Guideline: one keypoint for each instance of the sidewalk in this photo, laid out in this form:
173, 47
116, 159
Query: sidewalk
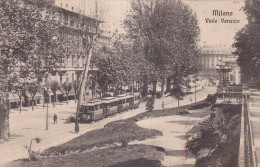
28, 125
170, 102
254, 110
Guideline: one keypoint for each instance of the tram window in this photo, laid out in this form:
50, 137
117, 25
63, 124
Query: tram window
91, 108
114, 104
111, 104
97, 107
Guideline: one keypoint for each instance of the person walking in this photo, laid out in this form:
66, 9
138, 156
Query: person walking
163, 105
55, 117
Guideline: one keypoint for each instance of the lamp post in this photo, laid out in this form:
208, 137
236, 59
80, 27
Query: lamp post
43, 101
47, 112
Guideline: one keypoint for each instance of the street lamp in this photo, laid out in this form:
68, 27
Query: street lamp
43, 101
47, 114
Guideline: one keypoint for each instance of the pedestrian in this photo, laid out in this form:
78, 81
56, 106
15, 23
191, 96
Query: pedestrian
163, 105
55, 118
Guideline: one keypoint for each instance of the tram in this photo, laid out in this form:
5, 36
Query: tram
98, 109
91, 111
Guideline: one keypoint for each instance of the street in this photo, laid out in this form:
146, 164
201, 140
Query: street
28, 125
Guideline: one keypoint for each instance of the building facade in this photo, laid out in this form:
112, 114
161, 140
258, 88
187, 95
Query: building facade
212, 58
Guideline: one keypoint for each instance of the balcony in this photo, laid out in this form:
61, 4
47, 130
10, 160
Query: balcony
91, 68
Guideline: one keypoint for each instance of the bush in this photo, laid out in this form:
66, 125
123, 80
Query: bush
149, 104
199, 106
217, 142
71, 119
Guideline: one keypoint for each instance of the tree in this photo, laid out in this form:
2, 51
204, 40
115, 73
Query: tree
247, 42
27, 43
179, 89
4, 117
212, 100
55, 86
75, 85
67, 88
33, 88
166, 33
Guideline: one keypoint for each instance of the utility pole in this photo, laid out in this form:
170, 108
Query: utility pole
47, 112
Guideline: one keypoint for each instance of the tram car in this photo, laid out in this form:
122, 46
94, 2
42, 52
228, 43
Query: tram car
91, 111
110, 105
125, 102
99, 109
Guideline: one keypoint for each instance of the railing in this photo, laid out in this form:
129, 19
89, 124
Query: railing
246, 149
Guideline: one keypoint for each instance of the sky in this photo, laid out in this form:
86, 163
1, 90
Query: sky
114, 12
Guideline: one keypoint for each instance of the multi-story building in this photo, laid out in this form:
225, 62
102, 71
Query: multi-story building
213, 57
75, 28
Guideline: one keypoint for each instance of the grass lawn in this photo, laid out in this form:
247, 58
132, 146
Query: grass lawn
77, 152
115, 156
114, 132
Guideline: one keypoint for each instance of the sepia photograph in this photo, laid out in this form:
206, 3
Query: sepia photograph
129, 83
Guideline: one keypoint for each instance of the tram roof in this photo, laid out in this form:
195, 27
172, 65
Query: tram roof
92, 103
135, 94
108, 98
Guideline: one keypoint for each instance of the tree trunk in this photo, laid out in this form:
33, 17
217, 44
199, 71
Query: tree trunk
67, 98
54, 99
81, 88
32, 103
168, 84
162, 88
20, 104
178, 104
154, 87
145, 86
4, 120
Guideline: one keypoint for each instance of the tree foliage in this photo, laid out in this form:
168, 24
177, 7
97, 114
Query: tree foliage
55, 86
166, 34
247, 42
28, 42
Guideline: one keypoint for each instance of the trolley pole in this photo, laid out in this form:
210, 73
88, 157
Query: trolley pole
195, 92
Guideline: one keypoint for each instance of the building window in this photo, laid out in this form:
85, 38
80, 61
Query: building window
67, 61
72, 61
72, 22
67, 78
66, 19
213, 62
72, 77
60, 78
78, 61
83, 61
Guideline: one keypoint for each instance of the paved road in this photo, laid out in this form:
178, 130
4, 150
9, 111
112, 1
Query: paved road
31, 124
254, 110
